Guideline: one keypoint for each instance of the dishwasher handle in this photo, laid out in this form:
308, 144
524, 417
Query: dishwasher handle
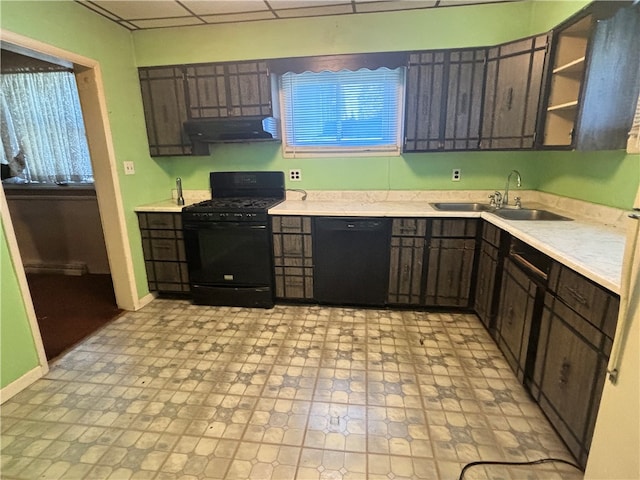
351, 224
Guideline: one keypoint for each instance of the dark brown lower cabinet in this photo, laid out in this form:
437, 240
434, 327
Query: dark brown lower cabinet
576, 335
406, 261
293, 257
488, 276
451, 256
163, 250
519, 297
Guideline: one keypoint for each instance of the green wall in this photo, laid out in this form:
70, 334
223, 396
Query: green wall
17, 351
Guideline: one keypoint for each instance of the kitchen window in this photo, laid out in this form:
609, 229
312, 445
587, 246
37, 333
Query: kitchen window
43, 139
344, 112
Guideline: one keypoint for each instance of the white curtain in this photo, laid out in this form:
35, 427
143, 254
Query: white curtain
42, 127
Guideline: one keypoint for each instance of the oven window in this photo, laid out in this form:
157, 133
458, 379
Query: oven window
223, 254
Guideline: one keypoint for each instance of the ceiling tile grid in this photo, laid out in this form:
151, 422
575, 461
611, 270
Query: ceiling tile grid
148, 14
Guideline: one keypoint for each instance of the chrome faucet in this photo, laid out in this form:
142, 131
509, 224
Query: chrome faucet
505, 197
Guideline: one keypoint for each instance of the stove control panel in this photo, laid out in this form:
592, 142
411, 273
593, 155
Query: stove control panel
225, 216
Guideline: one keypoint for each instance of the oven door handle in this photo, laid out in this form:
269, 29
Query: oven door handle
222, 225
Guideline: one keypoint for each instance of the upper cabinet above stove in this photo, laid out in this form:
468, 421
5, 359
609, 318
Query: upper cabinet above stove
214, 91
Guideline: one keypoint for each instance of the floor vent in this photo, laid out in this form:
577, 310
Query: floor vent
73, 268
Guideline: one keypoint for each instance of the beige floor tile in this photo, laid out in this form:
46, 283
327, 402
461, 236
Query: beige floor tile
179, 391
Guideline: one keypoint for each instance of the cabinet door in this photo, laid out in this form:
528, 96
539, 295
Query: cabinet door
163, 249
165, 110
444, 100
512, 94
485, 284
207, 91
239, 89
569, 372
293, 259
516, 312
406, 261
464, 99
451, 256
425, 99
611, 83
449, 271
249, 89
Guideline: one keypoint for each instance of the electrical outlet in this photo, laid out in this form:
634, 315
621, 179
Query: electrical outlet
295, 175
129, 168
456, 174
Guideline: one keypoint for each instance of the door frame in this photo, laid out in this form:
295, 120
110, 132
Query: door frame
103, 160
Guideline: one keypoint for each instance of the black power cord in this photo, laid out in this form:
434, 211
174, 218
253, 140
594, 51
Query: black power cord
533, 462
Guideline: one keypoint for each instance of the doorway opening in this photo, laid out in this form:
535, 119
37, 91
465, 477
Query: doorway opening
51, 199
106, 197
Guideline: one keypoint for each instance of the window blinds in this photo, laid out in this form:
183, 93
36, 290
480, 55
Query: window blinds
346, 111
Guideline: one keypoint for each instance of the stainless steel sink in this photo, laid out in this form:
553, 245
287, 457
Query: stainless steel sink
462, 207
528, 214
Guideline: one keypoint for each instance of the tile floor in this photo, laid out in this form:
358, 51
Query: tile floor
177, 391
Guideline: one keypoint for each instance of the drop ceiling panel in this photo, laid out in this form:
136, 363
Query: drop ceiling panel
147, 14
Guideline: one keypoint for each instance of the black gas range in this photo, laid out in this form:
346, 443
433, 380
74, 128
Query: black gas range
228, 240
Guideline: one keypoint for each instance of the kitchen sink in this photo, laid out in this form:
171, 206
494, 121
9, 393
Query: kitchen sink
462, 207
528, 214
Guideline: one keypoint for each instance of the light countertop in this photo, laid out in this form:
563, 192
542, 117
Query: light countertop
592, 244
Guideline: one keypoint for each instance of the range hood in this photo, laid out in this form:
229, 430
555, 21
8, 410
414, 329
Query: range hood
204, 131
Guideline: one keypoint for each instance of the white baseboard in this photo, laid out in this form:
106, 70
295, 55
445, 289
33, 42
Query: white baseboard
21, 383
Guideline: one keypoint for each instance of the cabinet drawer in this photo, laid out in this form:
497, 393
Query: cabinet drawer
164, 250
168, 221
409, 227
597, 305
491, 234
291, 224
454, 227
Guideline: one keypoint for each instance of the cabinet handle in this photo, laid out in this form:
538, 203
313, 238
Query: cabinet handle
509, 98
564, 372
577, 296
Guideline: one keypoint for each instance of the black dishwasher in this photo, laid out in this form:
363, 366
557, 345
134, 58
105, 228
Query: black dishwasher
351, 260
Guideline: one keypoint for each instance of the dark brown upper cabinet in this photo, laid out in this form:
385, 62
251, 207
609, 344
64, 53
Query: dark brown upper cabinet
239, 89
173, 94
512, 93
480, 98
444, 100
593, 82
165, 109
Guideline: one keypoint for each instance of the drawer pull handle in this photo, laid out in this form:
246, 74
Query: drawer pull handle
577, 296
